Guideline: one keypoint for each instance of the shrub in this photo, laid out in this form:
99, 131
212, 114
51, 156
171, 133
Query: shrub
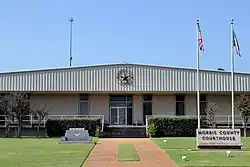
58, 127
98, 132
172, 126
151, 130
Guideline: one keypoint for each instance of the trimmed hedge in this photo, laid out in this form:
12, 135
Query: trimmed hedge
58, 127
172, 126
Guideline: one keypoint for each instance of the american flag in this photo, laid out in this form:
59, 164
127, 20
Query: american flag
200, 40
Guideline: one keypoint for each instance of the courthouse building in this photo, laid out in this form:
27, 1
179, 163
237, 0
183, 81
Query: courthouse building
125, 93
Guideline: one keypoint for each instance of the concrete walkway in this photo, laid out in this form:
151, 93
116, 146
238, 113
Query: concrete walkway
104, 154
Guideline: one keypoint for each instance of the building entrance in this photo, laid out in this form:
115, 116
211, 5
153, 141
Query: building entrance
120, 109
118, 115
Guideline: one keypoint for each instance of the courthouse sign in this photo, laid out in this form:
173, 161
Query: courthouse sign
218, 137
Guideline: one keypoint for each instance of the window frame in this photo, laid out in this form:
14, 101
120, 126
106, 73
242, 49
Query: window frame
83, 100
203, 99
179, 99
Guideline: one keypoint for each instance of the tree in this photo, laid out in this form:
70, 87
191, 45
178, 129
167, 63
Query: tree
242, 105
40, 114
18, 105
211, 109
7, 114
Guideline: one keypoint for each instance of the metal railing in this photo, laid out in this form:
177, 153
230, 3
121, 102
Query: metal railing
220, 120
31, 121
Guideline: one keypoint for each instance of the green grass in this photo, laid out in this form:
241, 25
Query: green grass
177, 147
127, 152
31, 152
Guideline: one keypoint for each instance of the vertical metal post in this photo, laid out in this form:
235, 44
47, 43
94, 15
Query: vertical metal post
232, 73
70, 41
198, 78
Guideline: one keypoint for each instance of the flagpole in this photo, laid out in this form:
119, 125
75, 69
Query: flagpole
232, 72
70, 41
198, 77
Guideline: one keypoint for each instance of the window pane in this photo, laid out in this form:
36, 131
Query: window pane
203, 108
120, 104
180, 97
147, 97
84, 108
203, 97
147, 110
121, 97
84, 97
113, 115
180, 108
129, 116
129, 104
122, 116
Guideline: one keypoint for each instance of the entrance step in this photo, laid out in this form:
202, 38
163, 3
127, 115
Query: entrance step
125, 132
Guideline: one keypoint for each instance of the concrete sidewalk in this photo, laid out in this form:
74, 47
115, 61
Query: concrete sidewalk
104, 154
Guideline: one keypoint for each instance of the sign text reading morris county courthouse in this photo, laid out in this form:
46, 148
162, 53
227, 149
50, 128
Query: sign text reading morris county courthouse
222, 137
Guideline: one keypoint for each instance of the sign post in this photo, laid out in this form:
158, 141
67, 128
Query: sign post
218, 138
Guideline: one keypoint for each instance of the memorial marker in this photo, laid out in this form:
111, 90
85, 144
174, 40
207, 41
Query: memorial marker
76, 135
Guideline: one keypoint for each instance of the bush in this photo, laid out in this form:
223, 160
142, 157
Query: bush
58, 127
98, 132
151, 130
172, 126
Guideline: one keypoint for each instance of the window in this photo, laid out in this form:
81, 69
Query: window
120, 100
84, 105
121, 97
84, 97
147, 97
180, 105
147, 106
203, 104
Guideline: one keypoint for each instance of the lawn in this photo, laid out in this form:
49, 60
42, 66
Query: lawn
41, 153
177, 147
127, 152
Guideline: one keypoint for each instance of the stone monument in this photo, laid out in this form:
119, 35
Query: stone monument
76, 135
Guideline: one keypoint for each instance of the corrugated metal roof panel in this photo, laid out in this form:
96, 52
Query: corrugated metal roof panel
104, 78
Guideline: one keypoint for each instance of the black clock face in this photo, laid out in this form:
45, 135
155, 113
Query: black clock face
125, 76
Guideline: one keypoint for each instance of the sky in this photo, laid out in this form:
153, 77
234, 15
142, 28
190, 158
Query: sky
35, 34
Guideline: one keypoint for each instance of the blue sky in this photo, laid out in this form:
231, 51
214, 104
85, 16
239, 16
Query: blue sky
35, 34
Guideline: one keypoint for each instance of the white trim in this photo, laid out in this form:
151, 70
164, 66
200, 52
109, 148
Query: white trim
118, 65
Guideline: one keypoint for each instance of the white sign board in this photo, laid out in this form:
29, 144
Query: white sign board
218, 137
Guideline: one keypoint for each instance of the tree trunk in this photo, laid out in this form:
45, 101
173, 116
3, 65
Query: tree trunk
245, 129
7, 130
19, 129
38, 129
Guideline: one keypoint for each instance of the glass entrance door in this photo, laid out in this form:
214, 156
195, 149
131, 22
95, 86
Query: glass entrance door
118, 115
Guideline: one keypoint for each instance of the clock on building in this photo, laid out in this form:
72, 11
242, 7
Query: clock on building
125, 76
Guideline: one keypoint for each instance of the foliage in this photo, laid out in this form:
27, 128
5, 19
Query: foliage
58, 127
4, 110
98, 132
15, 106
39, 114
18, 105
151, 130
172, 126
211, 109
242, 105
